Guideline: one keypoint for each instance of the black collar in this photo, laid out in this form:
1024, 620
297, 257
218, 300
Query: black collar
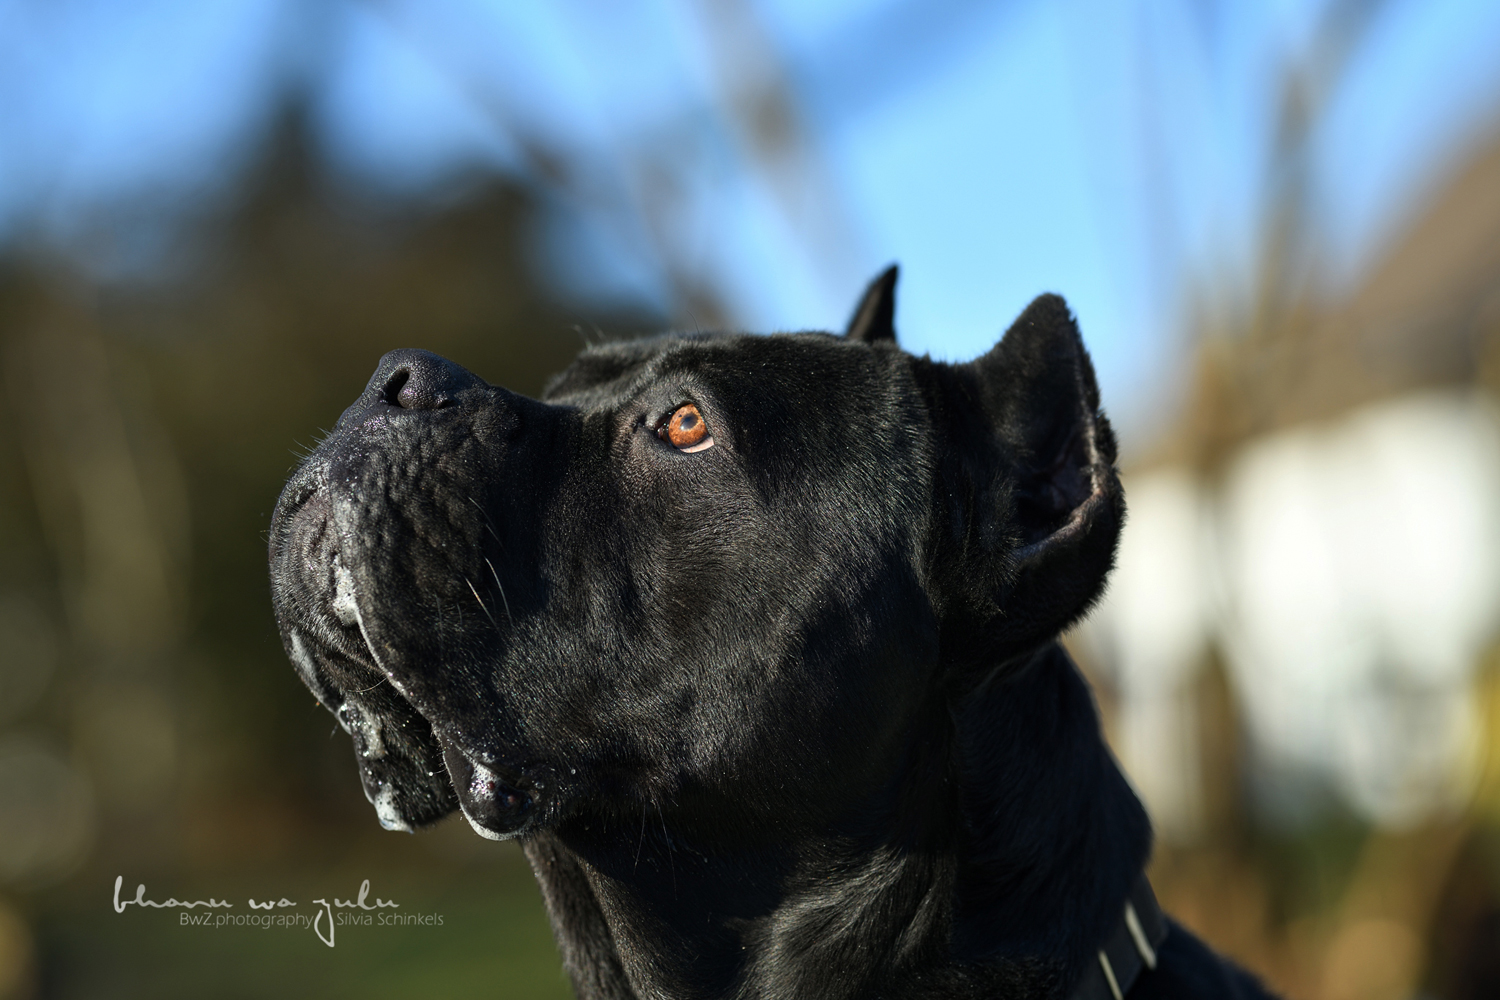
1129, 949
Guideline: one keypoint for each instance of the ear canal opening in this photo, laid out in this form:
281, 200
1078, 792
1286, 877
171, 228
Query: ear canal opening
1063, 498
1069, 532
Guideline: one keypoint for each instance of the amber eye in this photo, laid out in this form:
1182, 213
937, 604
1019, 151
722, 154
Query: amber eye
686, 430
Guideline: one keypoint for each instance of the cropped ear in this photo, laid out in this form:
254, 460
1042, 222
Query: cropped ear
1052, 510
874, 318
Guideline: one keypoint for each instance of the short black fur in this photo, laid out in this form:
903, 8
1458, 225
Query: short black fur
779, 715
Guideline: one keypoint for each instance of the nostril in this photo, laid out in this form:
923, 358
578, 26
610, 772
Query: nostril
417, 381
392, 391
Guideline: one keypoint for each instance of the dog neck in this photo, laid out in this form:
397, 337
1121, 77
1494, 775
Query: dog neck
995, 864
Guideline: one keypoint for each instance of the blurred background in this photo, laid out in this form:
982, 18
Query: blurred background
1278, 224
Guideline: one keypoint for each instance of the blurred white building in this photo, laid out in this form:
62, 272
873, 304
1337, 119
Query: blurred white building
1349, 573
1329, 528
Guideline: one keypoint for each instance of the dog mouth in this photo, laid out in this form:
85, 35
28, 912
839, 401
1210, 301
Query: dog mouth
414, 767
499, 802
398, 743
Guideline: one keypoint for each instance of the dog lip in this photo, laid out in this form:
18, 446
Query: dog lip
498, 806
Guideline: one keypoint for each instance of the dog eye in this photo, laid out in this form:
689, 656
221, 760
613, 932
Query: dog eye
685, 430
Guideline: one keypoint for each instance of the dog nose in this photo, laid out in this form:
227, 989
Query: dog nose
411, 379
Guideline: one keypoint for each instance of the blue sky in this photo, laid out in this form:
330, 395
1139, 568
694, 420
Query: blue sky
1112, 152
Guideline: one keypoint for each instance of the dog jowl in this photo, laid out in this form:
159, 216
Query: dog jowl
751, 641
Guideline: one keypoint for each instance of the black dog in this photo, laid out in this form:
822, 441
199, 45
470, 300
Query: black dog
752, 642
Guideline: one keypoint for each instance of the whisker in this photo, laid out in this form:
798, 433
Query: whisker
482, 605
488, 524
501, 589
372, 687
667, 836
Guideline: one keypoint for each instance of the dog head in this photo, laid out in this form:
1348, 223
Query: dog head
718, 574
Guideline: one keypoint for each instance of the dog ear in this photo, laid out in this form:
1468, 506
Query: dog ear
1046, 522
874, 318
